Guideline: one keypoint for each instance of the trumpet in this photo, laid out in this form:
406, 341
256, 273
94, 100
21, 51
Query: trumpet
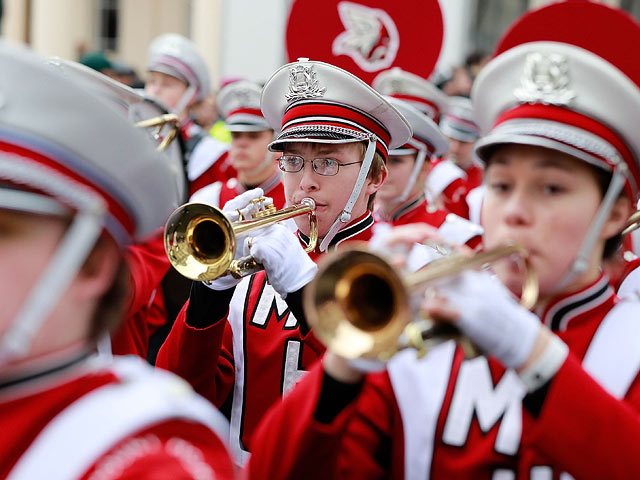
201, 241
360, 307
158, 123
633, 223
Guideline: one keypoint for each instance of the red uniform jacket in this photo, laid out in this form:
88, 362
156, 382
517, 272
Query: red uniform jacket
85, 419
452, 184
207, 158
451, 227
446, 417
148, 264
259, 353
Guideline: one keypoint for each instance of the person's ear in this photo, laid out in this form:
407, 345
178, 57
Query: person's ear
98, 273
374, 184
620, 212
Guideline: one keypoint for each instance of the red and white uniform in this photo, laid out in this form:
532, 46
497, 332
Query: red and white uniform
207, 158
629, 283
259, 353
69, 422
446, 417
475, 176
148, 264
450, 226
448, 182
219, 193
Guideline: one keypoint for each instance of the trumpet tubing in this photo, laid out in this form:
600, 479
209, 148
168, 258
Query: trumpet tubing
360, 307
633, 223
200, 241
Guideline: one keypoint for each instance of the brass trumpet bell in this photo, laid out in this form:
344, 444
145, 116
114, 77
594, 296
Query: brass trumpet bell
201, 241
360, 307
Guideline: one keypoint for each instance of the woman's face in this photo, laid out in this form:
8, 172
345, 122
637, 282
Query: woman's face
545, 201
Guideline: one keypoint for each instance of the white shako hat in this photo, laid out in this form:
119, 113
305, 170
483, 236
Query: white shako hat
309, 101
419, 92
133, 105
64, 151
427, 141
177, 56
239, 105
458, 122
556, 84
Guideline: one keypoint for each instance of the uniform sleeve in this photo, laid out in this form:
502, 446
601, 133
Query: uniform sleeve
172, 450
202, 356
297, 446
588, 432
148, 264
453, 198
354, 443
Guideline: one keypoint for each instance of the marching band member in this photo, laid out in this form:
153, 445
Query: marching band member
559, 389
402, 199
177, 78
458, 125
147, 262
239, 105
244, 343
77, 184
446, 181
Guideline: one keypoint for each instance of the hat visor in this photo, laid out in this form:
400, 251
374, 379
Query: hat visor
402, 151
457, 134
245, 127
312, 137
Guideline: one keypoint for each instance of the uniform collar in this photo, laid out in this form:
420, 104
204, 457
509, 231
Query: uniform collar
562, 309
407, 207
359, 229
40, 373
269, 184
190, 129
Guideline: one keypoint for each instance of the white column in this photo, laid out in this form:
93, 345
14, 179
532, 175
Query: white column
458, 16
14, 20
253, 36
61, 27
206, 32
143, 20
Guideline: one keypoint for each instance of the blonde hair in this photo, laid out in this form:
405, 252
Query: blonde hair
377, 166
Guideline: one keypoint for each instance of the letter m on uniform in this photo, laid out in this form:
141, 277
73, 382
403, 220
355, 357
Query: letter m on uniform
476, 395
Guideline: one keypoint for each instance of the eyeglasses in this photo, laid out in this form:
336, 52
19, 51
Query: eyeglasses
322, 166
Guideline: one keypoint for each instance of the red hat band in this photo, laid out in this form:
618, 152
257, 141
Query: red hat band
596, 142
256, 112
425, 106
41, 172
315, 117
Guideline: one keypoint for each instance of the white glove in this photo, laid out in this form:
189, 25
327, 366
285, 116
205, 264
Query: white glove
241, 203
288, 266
491, 317
402, 246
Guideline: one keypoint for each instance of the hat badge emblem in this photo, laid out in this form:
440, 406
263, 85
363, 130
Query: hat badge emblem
243, 97
545, 79
303, 84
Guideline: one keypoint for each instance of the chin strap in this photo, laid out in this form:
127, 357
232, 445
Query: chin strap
185, 99
581, 262
74, 247
420, 159
345, 215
